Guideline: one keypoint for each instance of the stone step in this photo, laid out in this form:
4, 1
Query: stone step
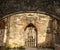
37, 49
31, 49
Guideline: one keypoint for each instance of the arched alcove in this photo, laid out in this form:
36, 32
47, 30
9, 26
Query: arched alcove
31, 40
31, 25
19, 22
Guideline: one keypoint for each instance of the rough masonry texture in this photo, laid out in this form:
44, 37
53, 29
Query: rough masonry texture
19, 22
21, 17
11, 6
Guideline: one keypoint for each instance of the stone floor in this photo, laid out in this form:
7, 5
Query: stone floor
36, 49
29, 49
32, 49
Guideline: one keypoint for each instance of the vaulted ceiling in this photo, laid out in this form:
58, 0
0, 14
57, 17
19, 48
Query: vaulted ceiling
11, 6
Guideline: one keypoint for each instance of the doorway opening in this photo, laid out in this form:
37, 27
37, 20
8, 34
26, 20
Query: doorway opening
31, 36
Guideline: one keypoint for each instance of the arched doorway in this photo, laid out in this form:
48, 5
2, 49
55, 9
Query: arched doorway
31, 36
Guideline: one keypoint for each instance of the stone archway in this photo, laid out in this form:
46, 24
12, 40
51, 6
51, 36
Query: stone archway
31, 36
20, 21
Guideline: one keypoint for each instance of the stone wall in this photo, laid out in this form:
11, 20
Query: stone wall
11, 6
58, 33
2, 31
18, 22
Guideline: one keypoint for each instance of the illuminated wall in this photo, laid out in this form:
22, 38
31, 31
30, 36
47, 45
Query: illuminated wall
18, 23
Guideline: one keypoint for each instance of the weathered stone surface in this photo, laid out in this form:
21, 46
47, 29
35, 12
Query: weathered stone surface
11, 6
18, 23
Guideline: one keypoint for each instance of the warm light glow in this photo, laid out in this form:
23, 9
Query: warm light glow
40, 21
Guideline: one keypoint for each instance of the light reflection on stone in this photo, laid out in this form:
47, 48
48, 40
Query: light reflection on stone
39, 20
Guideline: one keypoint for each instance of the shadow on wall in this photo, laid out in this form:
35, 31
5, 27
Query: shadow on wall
48, 43
2, 31
2, 24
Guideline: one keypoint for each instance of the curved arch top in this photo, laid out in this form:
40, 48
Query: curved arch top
31, 25
39, 12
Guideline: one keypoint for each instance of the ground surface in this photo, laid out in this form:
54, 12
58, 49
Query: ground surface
32, 49
36, 49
